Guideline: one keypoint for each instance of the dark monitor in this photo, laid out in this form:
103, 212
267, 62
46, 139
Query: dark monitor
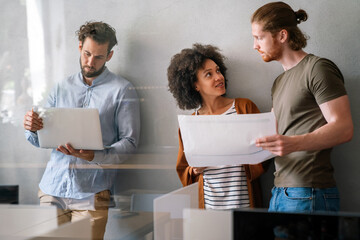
261, 224
9, 194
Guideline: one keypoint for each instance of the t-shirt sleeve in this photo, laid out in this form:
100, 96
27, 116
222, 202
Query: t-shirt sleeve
326, 81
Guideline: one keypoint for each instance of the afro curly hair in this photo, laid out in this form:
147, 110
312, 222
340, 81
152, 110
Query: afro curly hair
182, 73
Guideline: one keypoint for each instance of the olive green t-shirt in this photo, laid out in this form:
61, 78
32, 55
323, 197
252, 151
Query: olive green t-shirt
297, 94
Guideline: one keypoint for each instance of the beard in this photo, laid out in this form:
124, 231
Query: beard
266, 57
92, 72
272, 55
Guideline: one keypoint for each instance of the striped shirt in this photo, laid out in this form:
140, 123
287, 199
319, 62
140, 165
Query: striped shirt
225, 187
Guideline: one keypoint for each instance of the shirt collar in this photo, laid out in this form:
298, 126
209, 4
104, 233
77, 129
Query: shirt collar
99, 79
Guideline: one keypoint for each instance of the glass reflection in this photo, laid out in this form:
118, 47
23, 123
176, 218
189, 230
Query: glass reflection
38, 48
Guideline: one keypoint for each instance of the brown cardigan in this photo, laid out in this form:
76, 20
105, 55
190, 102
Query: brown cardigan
242, 106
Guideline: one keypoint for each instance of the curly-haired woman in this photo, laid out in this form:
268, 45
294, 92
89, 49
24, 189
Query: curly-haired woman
197, 80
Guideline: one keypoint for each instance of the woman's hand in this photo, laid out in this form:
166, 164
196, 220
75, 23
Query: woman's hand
198, 170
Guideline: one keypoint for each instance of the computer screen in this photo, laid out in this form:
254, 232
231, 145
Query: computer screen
261, 224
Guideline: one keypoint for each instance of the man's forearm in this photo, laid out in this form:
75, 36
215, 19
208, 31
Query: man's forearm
327, 136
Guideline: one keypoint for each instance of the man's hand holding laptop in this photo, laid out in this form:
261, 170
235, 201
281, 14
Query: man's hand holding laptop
87, 155
32, 121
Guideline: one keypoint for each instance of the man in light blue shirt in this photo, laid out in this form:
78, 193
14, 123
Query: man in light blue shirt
75, 180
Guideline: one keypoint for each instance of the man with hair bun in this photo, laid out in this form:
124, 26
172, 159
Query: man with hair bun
312, 111
75, 180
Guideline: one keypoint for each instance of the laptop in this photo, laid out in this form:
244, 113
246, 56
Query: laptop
78, 126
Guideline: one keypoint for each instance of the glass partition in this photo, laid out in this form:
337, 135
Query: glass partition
39, 48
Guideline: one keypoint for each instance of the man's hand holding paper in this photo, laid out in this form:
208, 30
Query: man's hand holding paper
278, 144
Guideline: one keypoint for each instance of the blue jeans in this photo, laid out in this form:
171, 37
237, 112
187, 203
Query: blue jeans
304, 199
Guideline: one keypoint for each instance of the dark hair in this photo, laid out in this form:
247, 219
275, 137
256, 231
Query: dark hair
183, 69
276, 16
99, 32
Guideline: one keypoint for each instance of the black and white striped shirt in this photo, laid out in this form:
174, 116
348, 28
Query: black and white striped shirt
225, 187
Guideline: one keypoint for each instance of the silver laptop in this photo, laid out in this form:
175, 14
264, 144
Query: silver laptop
78, 126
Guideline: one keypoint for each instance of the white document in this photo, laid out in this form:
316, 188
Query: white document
214, 140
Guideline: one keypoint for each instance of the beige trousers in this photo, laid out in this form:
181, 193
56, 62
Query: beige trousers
67, 210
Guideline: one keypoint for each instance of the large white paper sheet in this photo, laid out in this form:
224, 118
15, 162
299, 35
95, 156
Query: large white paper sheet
214, 140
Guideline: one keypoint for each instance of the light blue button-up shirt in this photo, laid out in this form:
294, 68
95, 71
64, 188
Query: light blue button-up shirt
116, 99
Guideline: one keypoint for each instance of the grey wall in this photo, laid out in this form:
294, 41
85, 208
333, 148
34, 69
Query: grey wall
149, 34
